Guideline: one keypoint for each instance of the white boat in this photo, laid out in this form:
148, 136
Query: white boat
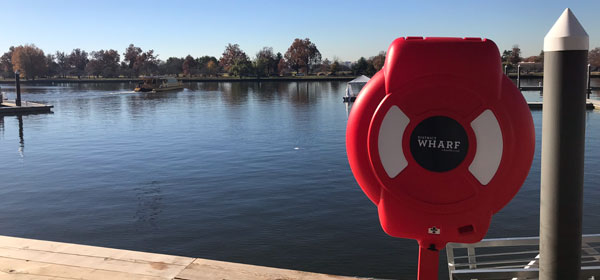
354, 87
158, 84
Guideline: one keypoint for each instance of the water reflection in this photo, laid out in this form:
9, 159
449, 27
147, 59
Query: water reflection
335, 87
302, 94
140, 103
236, 93
21, 149
21, 139
205, 86
348, 108
267, 90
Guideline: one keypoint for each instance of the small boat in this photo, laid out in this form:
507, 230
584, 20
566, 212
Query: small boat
158, 84
354, 87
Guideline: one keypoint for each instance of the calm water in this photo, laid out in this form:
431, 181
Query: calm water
243, 172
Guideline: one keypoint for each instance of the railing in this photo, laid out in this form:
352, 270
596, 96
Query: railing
512, 258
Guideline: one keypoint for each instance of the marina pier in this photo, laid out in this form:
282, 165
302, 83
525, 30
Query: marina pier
22, 258
9, 107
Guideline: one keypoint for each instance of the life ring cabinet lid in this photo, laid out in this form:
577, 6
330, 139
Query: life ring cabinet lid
440, 139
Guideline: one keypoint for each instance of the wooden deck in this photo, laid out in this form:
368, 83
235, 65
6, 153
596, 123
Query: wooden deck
22, 259
8, 107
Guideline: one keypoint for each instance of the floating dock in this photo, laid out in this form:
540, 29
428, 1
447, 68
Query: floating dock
594, 102
591, 104
540, 88
9, 107
22, 258
349, 98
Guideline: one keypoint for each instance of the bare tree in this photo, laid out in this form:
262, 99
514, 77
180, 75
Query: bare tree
63, 63
105, 63
594, 57
265, 61
78, 59
6, 66
515, 55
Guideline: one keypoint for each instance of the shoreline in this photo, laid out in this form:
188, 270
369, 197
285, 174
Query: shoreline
594, 75
185, 80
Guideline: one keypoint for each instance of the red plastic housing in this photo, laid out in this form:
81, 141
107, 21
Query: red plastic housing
455, 78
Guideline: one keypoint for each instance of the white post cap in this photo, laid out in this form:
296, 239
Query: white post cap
566, 34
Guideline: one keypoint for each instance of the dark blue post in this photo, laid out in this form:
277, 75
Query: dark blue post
589, 78
18, 86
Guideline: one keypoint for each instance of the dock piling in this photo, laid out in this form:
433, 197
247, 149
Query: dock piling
18, 86
519, 76
563, 141
589, 78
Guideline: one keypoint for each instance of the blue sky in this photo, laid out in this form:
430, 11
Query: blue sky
344, 29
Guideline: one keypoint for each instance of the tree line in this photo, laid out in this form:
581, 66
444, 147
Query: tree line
302, 56
511, 58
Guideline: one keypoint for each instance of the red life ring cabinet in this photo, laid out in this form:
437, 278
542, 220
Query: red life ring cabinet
440, 140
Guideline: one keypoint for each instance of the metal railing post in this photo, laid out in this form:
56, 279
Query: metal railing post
472, 258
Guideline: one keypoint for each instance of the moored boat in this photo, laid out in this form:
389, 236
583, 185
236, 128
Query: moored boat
158, 84
354, 87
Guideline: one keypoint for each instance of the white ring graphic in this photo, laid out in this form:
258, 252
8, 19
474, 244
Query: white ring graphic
489, 147
390, 141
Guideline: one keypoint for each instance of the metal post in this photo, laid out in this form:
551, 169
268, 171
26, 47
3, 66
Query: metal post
18, 86
563, 140
589, 78
519, 76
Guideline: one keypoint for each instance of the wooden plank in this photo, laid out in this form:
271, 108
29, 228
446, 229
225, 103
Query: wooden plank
158, 269
9, 107
202, 269
12, 103
6, 276
21, 269
22, 258
94, 251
